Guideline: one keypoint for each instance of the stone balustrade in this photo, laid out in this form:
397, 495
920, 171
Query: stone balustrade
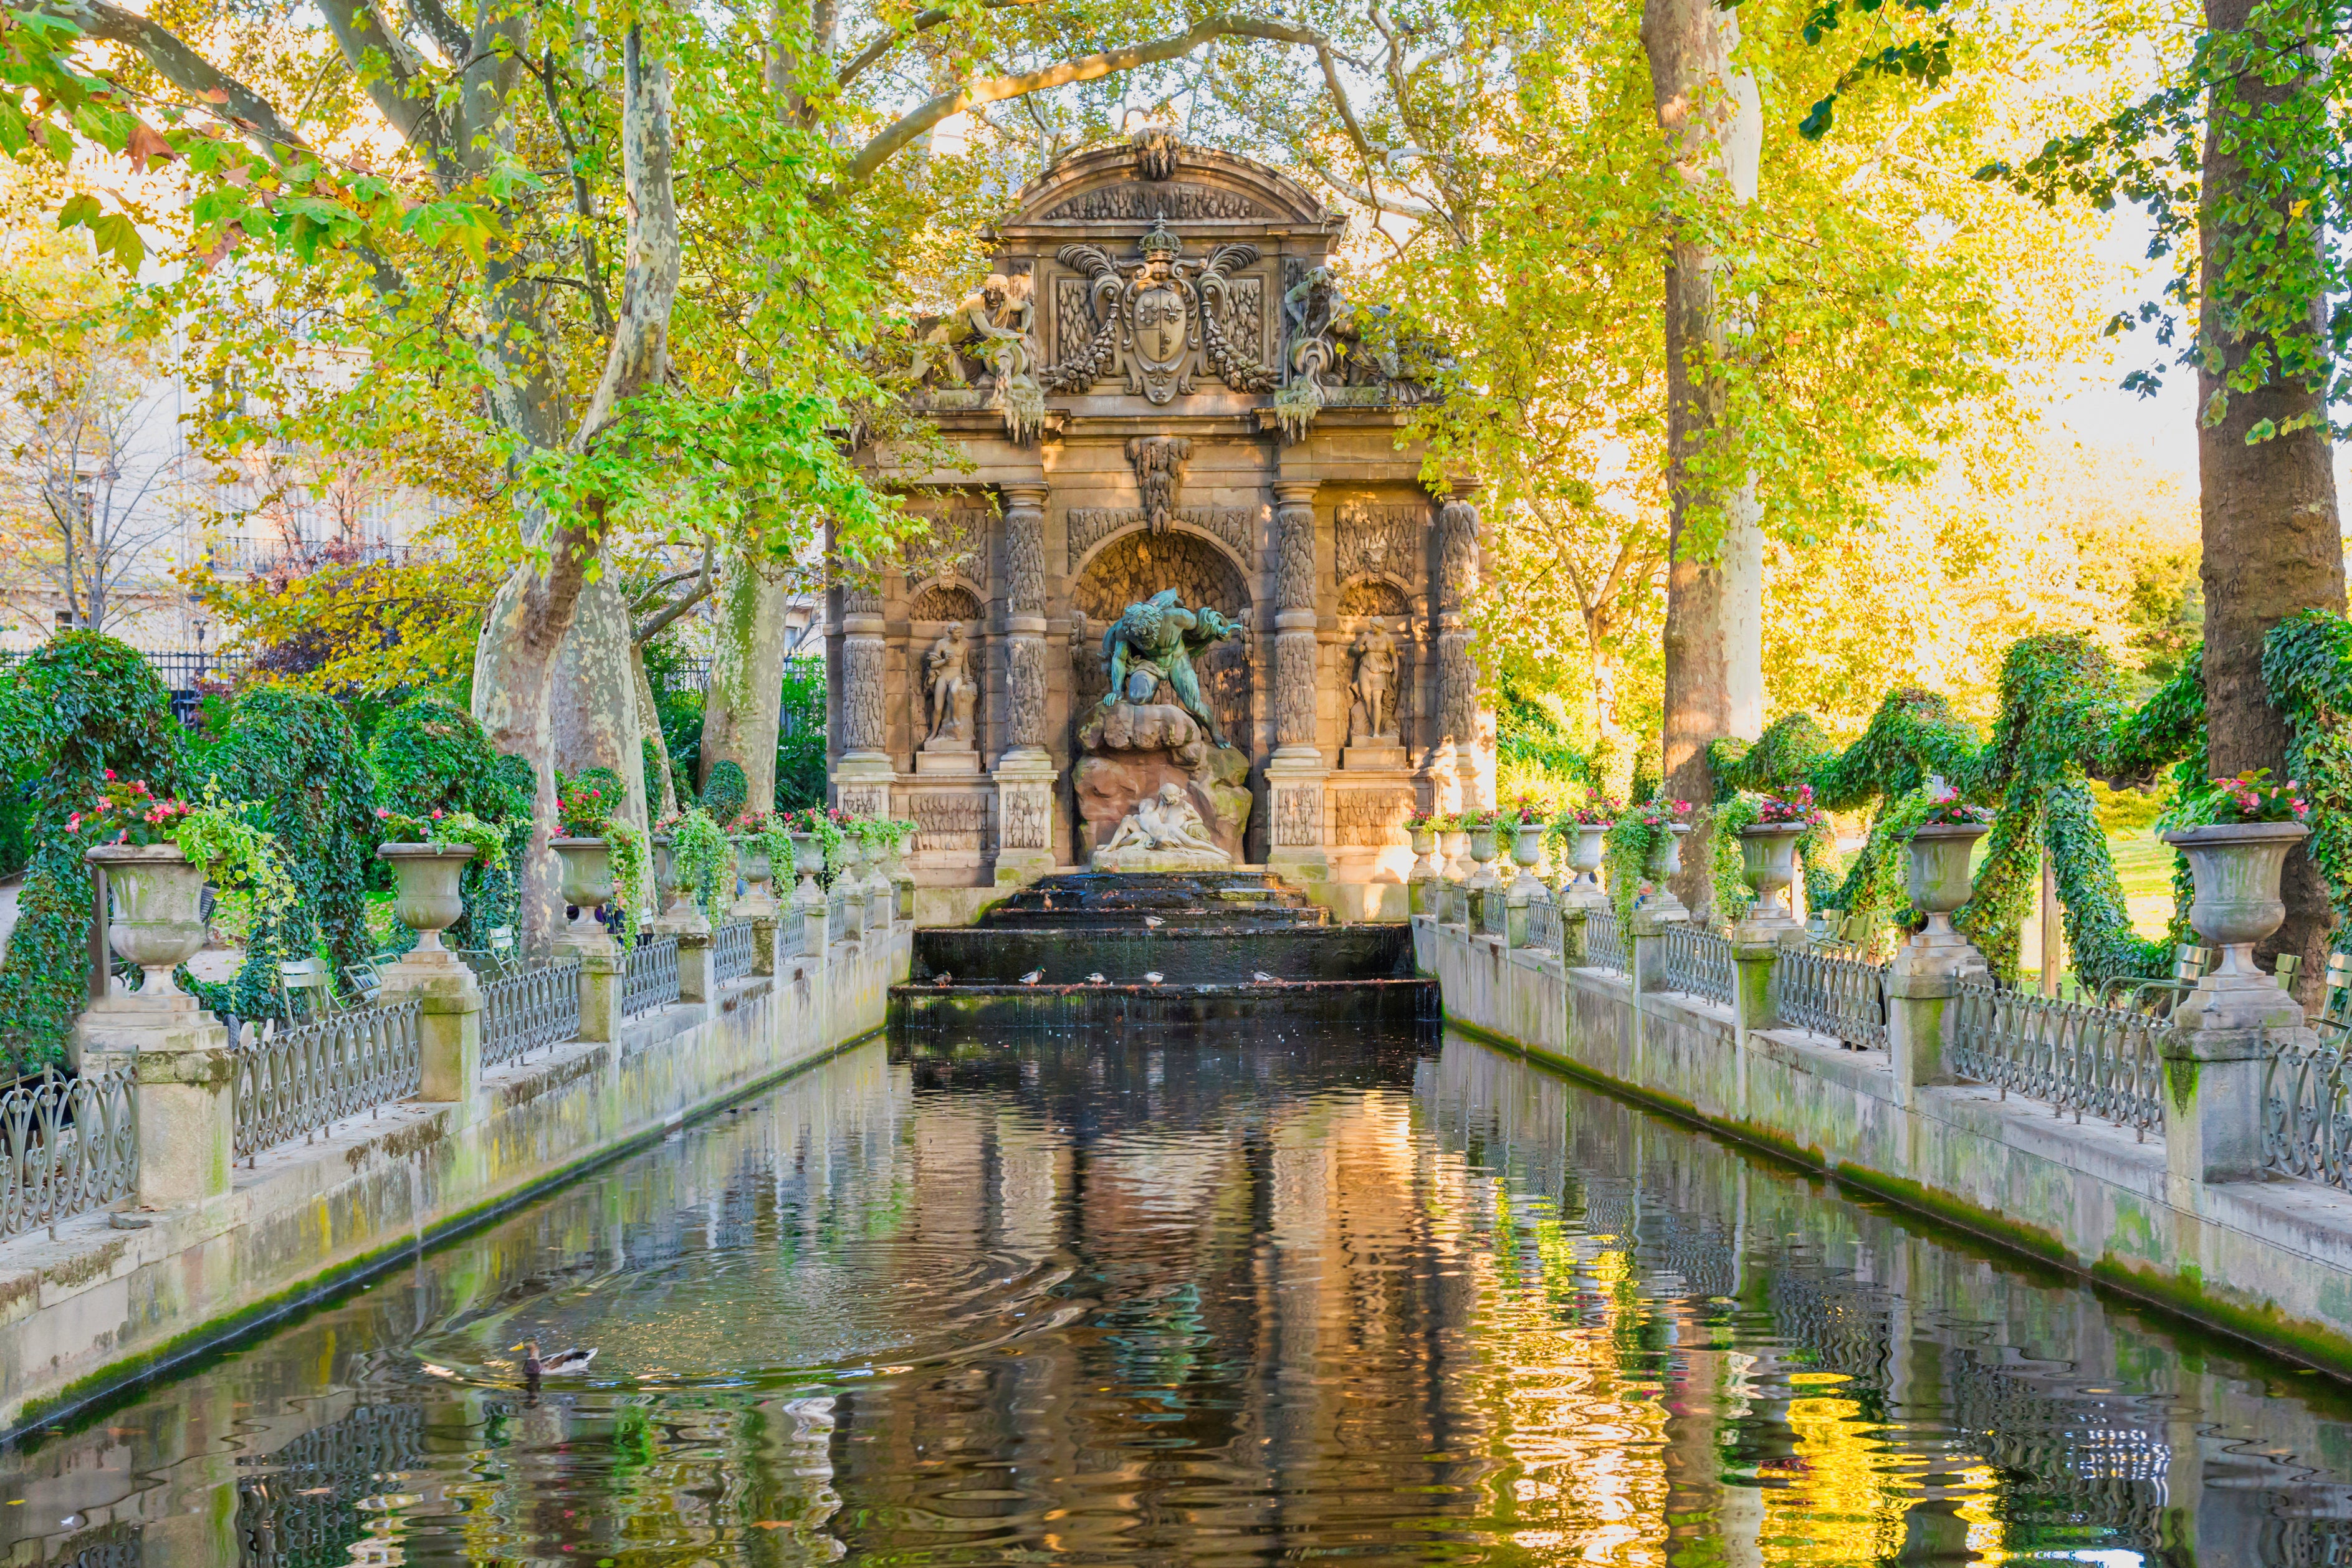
2201, 1168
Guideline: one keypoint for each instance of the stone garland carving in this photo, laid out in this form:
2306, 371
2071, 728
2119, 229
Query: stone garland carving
1458, 693
1233, 355
1087, 348
1381, 537
1370, 817
1457, 552
1294, 568
1177, 203
1024, 556
1159, 463
1090, 526
1026, 687
951, 547
862, 727
1294, 688
1155, 303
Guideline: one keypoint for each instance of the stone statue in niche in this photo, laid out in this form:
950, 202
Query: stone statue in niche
1155, 641
1374, 741
1372, 693
1163, 832
1153, 732
947, 674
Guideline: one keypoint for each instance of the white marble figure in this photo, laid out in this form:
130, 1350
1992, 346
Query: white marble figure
1165, 821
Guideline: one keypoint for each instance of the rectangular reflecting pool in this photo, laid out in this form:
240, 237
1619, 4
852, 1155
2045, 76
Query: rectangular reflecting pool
1251, 1294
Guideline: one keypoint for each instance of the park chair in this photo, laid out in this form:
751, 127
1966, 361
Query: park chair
306, 990
2128, 994
365, 980
2289, 965
497, 957
2334, 1020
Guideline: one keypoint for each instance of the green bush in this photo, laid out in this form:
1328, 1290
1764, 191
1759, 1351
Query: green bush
725, 794
429, 755
81, 705
800, 736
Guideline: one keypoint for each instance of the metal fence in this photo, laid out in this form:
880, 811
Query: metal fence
1604, 943
649, 975
530, 1008
2074, 1057
836, 917
1543, 925
1698, 962
730, 952
305, 1080
1494, 914
1844, 998
68, 1145
1451, 903
792, 930
2307, 1111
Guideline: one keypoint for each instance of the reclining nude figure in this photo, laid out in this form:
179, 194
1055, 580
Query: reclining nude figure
1164, 821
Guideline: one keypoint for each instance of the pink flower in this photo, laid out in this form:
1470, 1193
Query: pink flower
383, 814
109, 775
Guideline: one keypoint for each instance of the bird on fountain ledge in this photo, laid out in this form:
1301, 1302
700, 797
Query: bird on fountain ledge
1034, 976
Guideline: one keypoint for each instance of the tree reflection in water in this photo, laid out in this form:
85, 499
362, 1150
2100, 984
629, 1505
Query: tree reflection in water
1218, 1298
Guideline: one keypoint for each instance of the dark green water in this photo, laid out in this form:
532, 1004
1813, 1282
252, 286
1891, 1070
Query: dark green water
1244, 1300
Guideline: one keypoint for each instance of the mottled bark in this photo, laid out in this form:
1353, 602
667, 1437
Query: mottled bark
595, 721
741, 715
661, 788
1714, 576
2272, 541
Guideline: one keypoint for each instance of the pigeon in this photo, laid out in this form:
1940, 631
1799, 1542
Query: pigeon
1153, 977
1096, 979
941, 978
1263, 978
1153, 922
1034, 976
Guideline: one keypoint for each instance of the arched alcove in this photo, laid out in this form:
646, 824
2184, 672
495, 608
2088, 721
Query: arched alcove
1374, 596
1135, 567
944, 601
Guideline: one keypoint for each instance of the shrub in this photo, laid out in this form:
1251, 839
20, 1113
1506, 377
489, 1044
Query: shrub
726, 792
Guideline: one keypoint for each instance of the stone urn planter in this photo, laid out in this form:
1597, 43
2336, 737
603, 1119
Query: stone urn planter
2237, 867
1526, 854
157, 921
1456, 868
1585, 859
1937, 873
1767, 859
902, 881
587, 876
666, 888
1666, 858
1482, 852
424, 887
808, 859
881, 893
752, 860
1428, 866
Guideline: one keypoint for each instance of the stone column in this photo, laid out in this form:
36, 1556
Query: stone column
600, 978
1646, 937
696, 980
1295, 775
1920, 985
2213, 1068
1458, 671
1753, 955
183, 1100
862, 779
1025, 773
449, 1022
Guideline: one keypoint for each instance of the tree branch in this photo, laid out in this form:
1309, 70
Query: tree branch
359, 32
662, 619
1086, 67
442, 25
253, 117
923, 22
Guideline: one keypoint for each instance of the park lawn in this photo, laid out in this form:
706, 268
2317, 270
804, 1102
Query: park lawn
2145, 866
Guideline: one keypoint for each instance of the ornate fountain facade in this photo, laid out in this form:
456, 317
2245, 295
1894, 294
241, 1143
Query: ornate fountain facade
1162, 394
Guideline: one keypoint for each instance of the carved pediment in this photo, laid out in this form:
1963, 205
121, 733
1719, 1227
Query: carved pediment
1179, 202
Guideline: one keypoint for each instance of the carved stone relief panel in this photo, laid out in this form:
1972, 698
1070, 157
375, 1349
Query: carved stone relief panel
949, 822
1139, 202
1089, 525
1379, 536
1298, 816
954, 544
1370, 817
1028, 819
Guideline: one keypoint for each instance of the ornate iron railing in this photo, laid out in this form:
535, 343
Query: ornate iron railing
1452, 904
792, 930
1493, 915
303, 1080
68, 1145
1844, 998
2074, 1057
310, 1501
1543, 925
730, 952
1604, 943
1698, 962
530, 1008
836, 916
649, 975
2307, 1111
